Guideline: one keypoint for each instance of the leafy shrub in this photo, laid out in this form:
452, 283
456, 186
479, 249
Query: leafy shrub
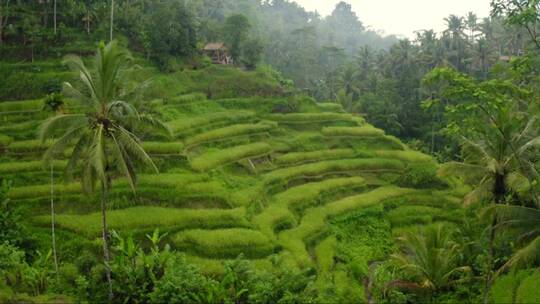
213, 159
422, 175
183, 283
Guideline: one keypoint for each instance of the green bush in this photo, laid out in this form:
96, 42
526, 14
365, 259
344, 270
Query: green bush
422, 175
213, 159
224, 243
148, 218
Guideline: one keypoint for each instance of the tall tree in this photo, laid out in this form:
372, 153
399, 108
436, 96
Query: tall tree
236, 30
103, 137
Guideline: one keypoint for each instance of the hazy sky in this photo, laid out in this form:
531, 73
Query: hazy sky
403, 17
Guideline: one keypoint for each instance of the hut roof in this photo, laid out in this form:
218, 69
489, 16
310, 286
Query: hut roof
215, 46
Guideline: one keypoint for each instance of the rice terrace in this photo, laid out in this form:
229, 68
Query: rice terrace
259, 152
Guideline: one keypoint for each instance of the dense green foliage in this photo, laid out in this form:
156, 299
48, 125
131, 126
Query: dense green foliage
158, 176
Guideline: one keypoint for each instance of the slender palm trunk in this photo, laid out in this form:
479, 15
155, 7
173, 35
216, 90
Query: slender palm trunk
112, 18
54, 21
489, 266
105, 235
53, 233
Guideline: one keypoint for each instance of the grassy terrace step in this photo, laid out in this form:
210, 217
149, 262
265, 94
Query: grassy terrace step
313, 224
161, 180
224, 243
27, 126
186, 125
27, 146
163, 148
148, 218
303, 118
300, 197
216, 158
30, 166
21, 106
229, 132
363, 131
375, 165
298, 158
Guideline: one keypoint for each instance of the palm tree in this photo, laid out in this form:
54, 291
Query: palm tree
501, 164
431, 258
523, 221
112, 19
103, 137
472, 25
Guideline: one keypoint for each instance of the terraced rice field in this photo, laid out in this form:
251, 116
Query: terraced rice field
237, 178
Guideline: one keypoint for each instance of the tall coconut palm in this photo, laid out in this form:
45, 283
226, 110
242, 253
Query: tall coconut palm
103, 137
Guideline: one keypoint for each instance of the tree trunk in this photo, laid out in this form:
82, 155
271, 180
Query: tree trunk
112, 18
54, 17
105, 236
491, 255
53, 233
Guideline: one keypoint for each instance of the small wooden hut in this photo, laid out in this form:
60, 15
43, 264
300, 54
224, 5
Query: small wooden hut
218, 52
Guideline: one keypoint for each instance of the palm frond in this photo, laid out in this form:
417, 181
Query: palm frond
60, 122
129, 142
123, 162
524, 257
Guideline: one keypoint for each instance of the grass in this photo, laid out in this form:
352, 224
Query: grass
314, 221
303, 196
302, 118
224, 243
528, 292
148, 218
29, 166
163, 148
228, 132
216, 158
363, 131
406, 156
297, 158
324, 253
25, 146
375, 165
159, 181
187, 98
186, 125
21, 106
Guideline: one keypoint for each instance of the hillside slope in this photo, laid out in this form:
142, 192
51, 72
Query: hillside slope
262, 175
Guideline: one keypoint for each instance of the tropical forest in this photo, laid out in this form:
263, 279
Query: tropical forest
258, 151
